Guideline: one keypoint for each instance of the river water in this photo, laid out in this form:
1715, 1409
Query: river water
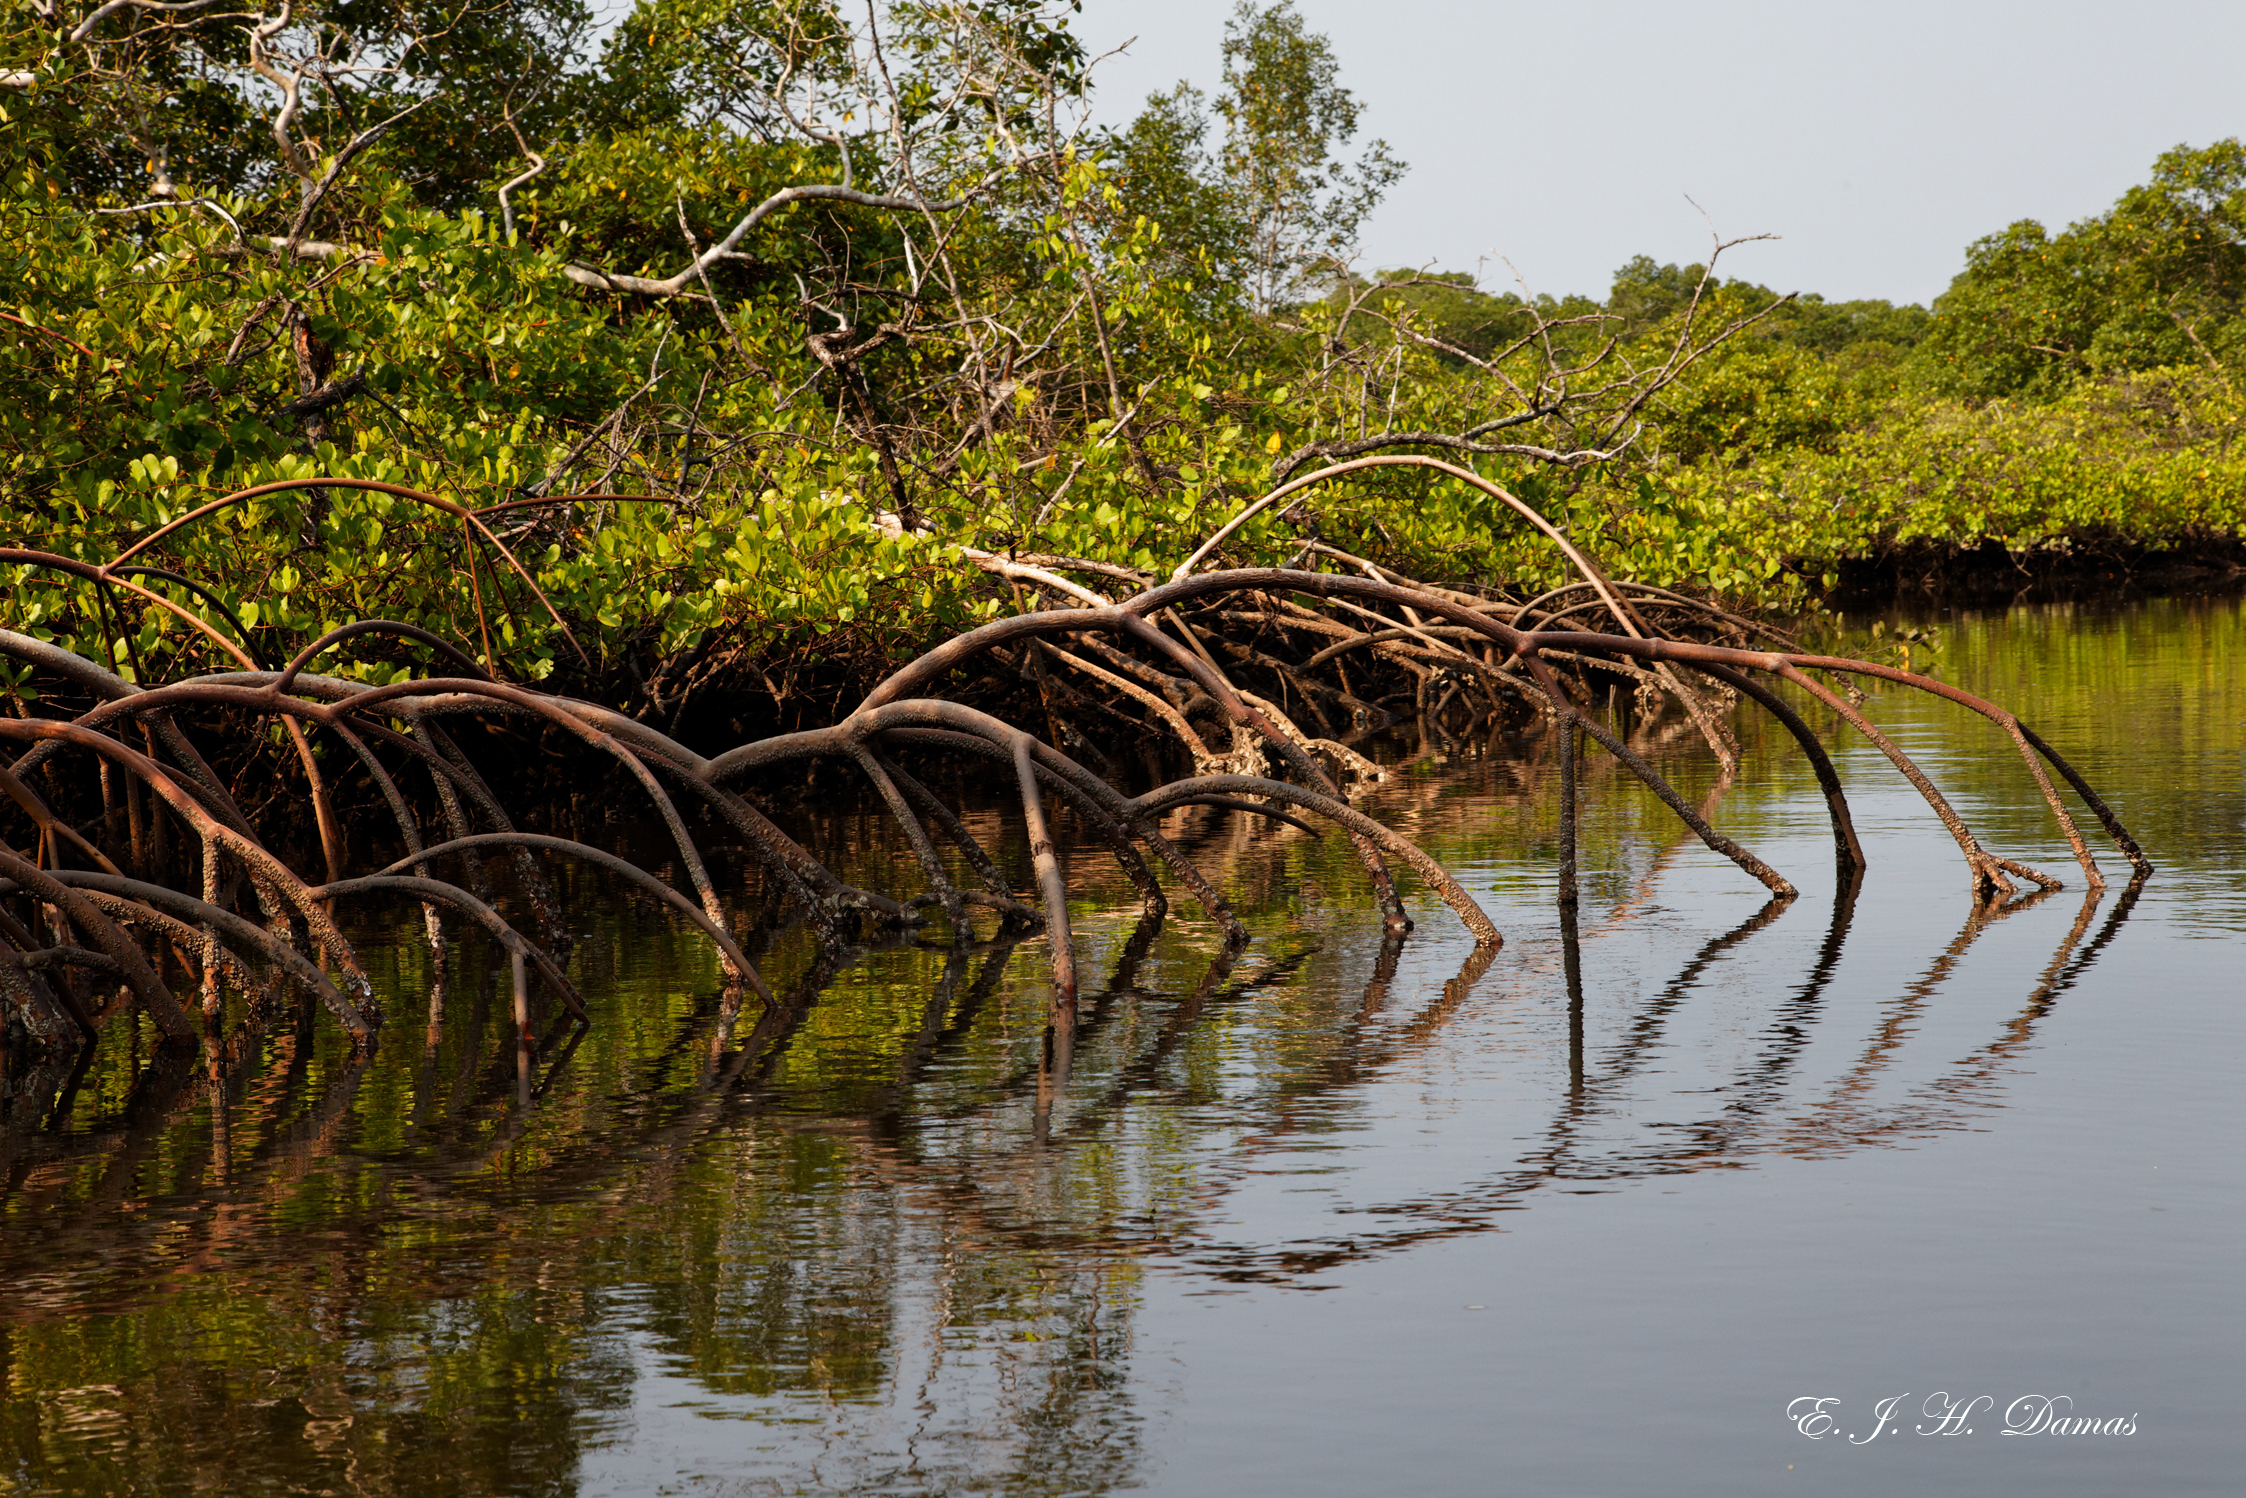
1325, 1216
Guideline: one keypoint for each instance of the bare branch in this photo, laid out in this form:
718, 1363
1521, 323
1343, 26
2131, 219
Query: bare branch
1339, 450
334, 393
291, 86
357, 143
670, 286
102, 13
654, 373
209, 203
537, 165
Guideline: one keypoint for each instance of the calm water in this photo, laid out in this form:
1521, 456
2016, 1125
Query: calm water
1320, 1217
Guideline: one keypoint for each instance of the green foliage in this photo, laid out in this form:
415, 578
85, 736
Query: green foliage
689, 64
1772, 392
1451, 309
1647, 300
1285, 116
2157, 280
483, 367
1163, 175
2147, 461
1072, 362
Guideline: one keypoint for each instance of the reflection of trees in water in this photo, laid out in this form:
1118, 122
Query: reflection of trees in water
1758, 1114
196, 1300
896, 1217
267, 1270
1843, 1119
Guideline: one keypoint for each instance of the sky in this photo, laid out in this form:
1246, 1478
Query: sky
1877, 140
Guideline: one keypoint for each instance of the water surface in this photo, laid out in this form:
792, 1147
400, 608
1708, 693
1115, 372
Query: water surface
1327, 1215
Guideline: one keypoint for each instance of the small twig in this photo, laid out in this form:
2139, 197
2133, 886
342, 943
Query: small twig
49, 333
654, 373
319, 190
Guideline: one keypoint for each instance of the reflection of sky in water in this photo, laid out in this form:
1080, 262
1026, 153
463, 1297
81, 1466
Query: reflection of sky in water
1322, 1219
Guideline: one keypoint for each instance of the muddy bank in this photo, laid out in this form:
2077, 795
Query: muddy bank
1929, 575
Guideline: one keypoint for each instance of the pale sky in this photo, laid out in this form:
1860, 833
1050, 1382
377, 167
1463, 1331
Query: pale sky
1878, 140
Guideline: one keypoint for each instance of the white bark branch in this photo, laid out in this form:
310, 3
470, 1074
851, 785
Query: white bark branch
179, 203
102, 13
724, 249
291, 86
887, 523
537, 165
